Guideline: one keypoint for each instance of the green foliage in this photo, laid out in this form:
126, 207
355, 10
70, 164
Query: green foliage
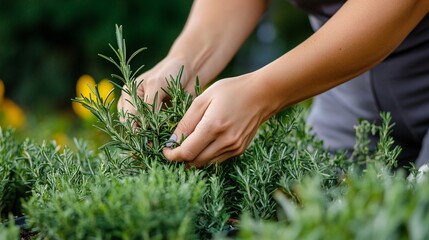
374, 204
215, 210
161, 204
9, 232
27, 165
385, 150
282, 154
155, 125
11, 186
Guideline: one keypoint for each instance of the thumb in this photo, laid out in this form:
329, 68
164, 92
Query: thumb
188, 123
190, 148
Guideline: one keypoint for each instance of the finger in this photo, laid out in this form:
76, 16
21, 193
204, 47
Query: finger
192, 117
211, 154
218, 159
125, 106
196, 140
189, 149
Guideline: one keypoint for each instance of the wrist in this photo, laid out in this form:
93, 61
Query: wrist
196, 57
263, 94
206, 55
178, 60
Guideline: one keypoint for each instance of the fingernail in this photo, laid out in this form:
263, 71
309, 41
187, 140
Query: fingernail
171, 141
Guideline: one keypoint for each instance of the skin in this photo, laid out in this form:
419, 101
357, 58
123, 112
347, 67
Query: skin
220, 123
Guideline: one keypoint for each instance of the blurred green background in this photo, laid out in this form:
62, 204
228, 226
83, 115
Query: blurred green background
46, 45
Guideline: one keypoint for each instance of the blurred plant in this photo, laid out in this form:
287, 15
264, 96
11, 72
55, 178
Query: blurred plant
385, 150
9, 231
161, 204
373, 204
10, 113
61, 139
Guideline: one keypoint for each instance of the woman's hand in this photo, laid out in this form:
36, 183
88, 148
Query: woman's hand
221, 122
153, 81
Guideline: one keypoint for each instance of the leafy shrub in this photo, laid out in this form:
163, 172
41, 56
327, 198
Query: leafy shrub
27, 165
373, 204
161, 204
11, 186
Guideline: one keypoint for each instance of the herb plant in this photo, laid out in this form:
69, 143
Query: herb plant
155, 126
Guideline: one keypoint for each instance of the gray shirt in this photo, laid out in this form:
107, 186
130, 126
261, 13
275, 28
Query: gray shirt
399, 85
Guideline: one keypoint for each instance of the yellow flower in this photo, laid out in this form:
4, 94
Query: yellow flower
84, 87
13, 115
1, 91
105, 87
10, 113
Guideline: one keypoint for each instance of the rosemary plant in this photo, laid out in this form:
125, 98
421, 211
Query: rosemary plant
155, 126
373, 204
157, 205
367, 133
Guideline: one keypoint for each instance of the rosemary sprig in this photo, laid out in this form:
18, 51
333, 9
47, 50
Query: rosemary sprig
146, 141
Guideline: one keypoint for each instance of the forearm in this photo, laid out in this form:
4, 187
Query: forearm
359, 36
213, 33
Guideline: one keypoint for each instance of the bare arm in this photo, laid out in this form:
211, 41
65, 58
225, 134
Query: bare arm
213, 33
362, 33
359, 36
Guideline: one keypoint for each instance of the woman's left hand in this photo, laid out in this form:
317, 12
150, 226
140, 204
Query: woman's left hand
221, 122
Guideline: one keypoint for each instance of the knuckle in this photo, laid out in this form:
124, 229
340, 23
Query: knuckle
187, 155
219, 127
238, 151
198, 102
150, 85
237, 144
183, 127
234, 141
150, 82
140, 91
